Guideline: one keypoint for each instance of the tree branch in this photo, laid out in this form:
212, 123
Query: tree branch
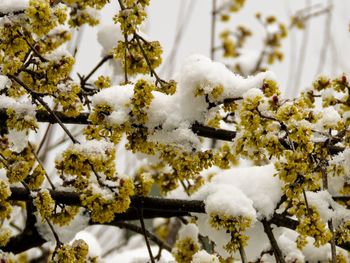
276, 250
199, 129
153, 207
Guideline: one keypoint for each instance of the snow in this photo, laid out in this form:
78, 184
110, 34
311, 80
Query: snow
57, 54
328, 208
253, 93
286, 242
220, 237
203, 257
228, 200
188, 231
7, 6
94, 246
201, 71
346, 154
4, 82
108, 37
310, 253
118, 98
330, 117
93, 147
21, 105
248, 191
247, 60
337, 182
92, 12
176, 113
139, 255
321, 200
18, 139
257, 183
328, 94
273, 29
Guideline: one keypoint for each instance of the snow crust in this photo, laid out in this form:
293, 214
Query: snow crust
7, 6
21, 105
247, 60
247, 191
328, 208
4, 82
189, 231
330, 117
287, 243
94, 246
176, 113
25, 110
203, 257
257, 185
108, 37
18, 140
93, 147
118, 98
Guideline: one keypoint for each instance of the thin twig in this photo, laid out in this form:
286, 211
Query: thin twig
41, 144
126, 58
306, 203
43, 103
42, 166
140, 213
33, 48
213, 27
58, 242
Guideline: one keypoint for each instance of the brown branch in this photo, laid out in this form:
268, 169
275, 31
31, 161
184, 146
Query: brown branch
126, 58
148, 203
276, 250
153, 207
199, 129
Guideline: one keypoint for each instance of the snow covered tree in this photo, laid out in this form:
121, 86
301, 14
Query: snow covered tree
227, 167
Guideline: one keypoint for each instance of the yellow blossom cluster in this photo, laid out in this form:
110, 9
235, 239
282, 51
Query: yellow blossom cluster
77, 252
132, 55
235, 225
184, 249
